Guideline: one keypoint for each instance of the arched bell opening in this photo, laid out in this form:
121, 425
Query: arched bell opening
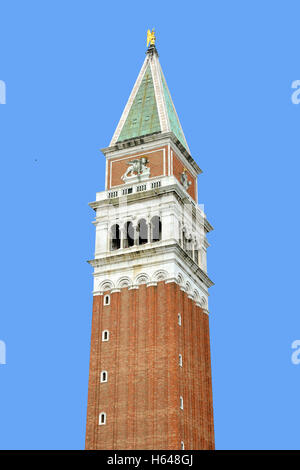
115, 240
142, 229
156, 229
128, 235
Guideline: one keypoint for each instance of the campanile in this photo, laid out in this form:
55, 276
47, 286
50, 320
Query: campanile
150, 370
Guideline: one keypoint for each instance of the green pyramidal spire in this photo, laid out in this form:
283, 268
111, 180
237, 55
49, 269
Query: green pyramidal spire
150, 108
143, 116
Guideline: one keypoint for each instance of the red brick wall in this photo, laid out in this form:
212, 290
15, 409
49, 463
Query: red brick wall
141, 397
178, 168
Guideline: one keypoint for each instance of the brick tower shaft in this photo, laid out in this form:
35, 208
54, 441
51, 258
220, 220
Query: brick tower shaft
150, 371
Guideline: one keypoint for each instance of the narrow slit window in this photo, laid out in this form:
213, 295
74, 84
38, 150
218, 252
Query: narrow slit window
105, 335
103, 376
182, 445
102, 418
106, 300
179, 319
181, 403
180, 360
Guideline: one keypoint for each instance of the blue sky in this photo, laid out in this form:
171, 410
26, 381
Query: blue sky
69, 68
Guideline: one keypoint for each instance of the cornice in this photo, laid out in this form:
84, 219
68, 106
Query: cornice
207, 226
144, 254
157, 136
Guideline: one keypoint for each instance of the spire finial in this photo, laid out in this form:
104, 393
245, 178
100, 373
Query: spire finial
151, 37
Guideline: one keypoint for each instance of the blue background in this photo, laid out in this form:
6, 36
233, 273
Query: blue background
69, 68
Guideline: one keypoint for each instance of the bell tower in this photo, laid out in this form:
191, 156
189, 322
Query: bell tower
150, 370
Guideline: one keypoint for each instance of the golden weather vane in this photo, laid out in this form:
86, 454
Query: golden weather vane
151, 37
